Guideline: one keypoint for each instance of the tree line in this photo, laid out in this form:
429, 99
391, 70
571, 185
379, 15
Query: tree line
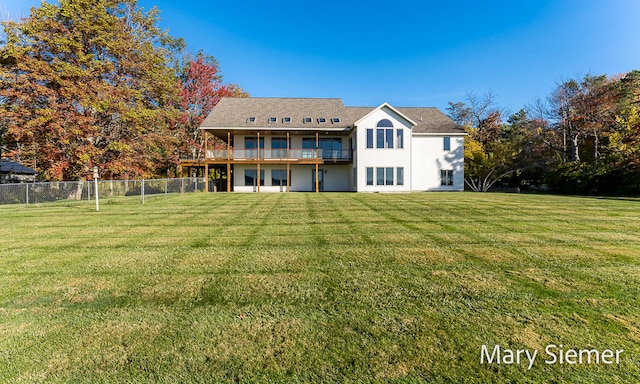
583, 138
88, 83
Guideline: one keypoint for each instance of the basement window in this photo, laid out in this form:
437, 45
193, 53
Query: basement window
273, 119
251, 119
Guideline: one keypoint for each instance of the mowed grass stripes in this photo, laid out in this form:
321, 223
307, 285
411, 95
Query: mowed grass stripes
317, 288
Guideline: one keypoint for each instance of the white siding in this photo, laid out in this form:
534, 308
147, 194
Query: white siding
429, 158
383, 157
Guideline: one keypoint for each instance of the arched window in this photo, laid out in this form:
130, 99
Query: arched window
384, 123
384, 134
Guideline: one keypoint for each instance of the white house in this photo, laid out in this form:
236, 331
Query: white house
298, 144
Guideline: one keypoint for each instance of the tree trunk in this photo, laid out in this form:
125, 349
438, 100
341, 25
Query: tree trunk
575, 148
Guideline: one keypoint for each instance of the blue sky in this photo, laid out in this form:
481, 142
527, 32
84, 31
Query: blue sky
408, 53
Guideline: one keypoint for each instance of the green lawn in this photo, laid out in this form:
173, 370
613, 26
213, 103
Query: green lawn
318, 288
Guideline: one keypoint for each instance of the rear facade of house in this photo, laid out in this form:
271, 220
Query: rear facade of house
298, 144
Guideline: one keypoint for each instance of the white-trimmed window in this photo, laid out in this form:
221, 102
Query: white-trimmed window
384, 134
446, 143
369, 137
379, 138
388, 138
400, 176
379, 176
400, 138
388, 180
369, 175
385, 176
446, 177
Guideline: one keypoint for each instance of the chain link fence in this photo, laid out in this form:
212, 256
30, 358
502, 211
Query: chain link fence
35, 193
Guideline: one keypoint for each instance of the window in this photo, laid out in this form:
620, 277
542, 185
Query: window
369, 176
252, 145
250, 177
331, 148
307, 120
400, 137
389, 176
252, 142
447, 143
369, 137
279, 143
322, 120
399, 176
279, 147
286, 119
273, 119
279, 177
335, 120
384, 123
379, 138
251, 119
388, 138
308, 148
379, 176
446, 177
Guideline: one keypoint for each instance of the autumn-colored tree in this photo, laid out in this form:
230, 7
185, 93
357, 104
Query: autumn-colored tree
89, 82
489, 153
624, 139
201, 89
585, 139
584, 110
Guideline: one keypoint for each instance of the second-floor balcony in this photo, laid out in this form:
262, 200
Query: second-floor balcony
280, 155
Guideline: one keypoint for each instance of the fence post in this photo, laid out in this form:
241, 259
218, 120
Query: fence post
166, 186
27, 197
89, 192
142, 191
182, 185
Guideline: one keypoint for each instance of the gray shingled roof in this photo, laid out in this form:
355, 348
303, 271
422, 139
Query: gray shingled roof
430, 120
235, 113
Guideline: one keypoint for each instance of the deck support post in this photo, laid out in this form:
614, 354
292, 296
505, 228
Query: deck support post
228, 161
206, 177
288, 164
317, 159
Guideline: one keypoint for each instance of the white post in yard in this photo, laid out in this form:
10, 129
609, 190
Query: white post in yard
142, 190
95, 185
27, 197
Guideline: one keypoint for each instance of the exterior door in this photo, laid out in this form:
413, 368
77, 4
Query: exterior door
320, 180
